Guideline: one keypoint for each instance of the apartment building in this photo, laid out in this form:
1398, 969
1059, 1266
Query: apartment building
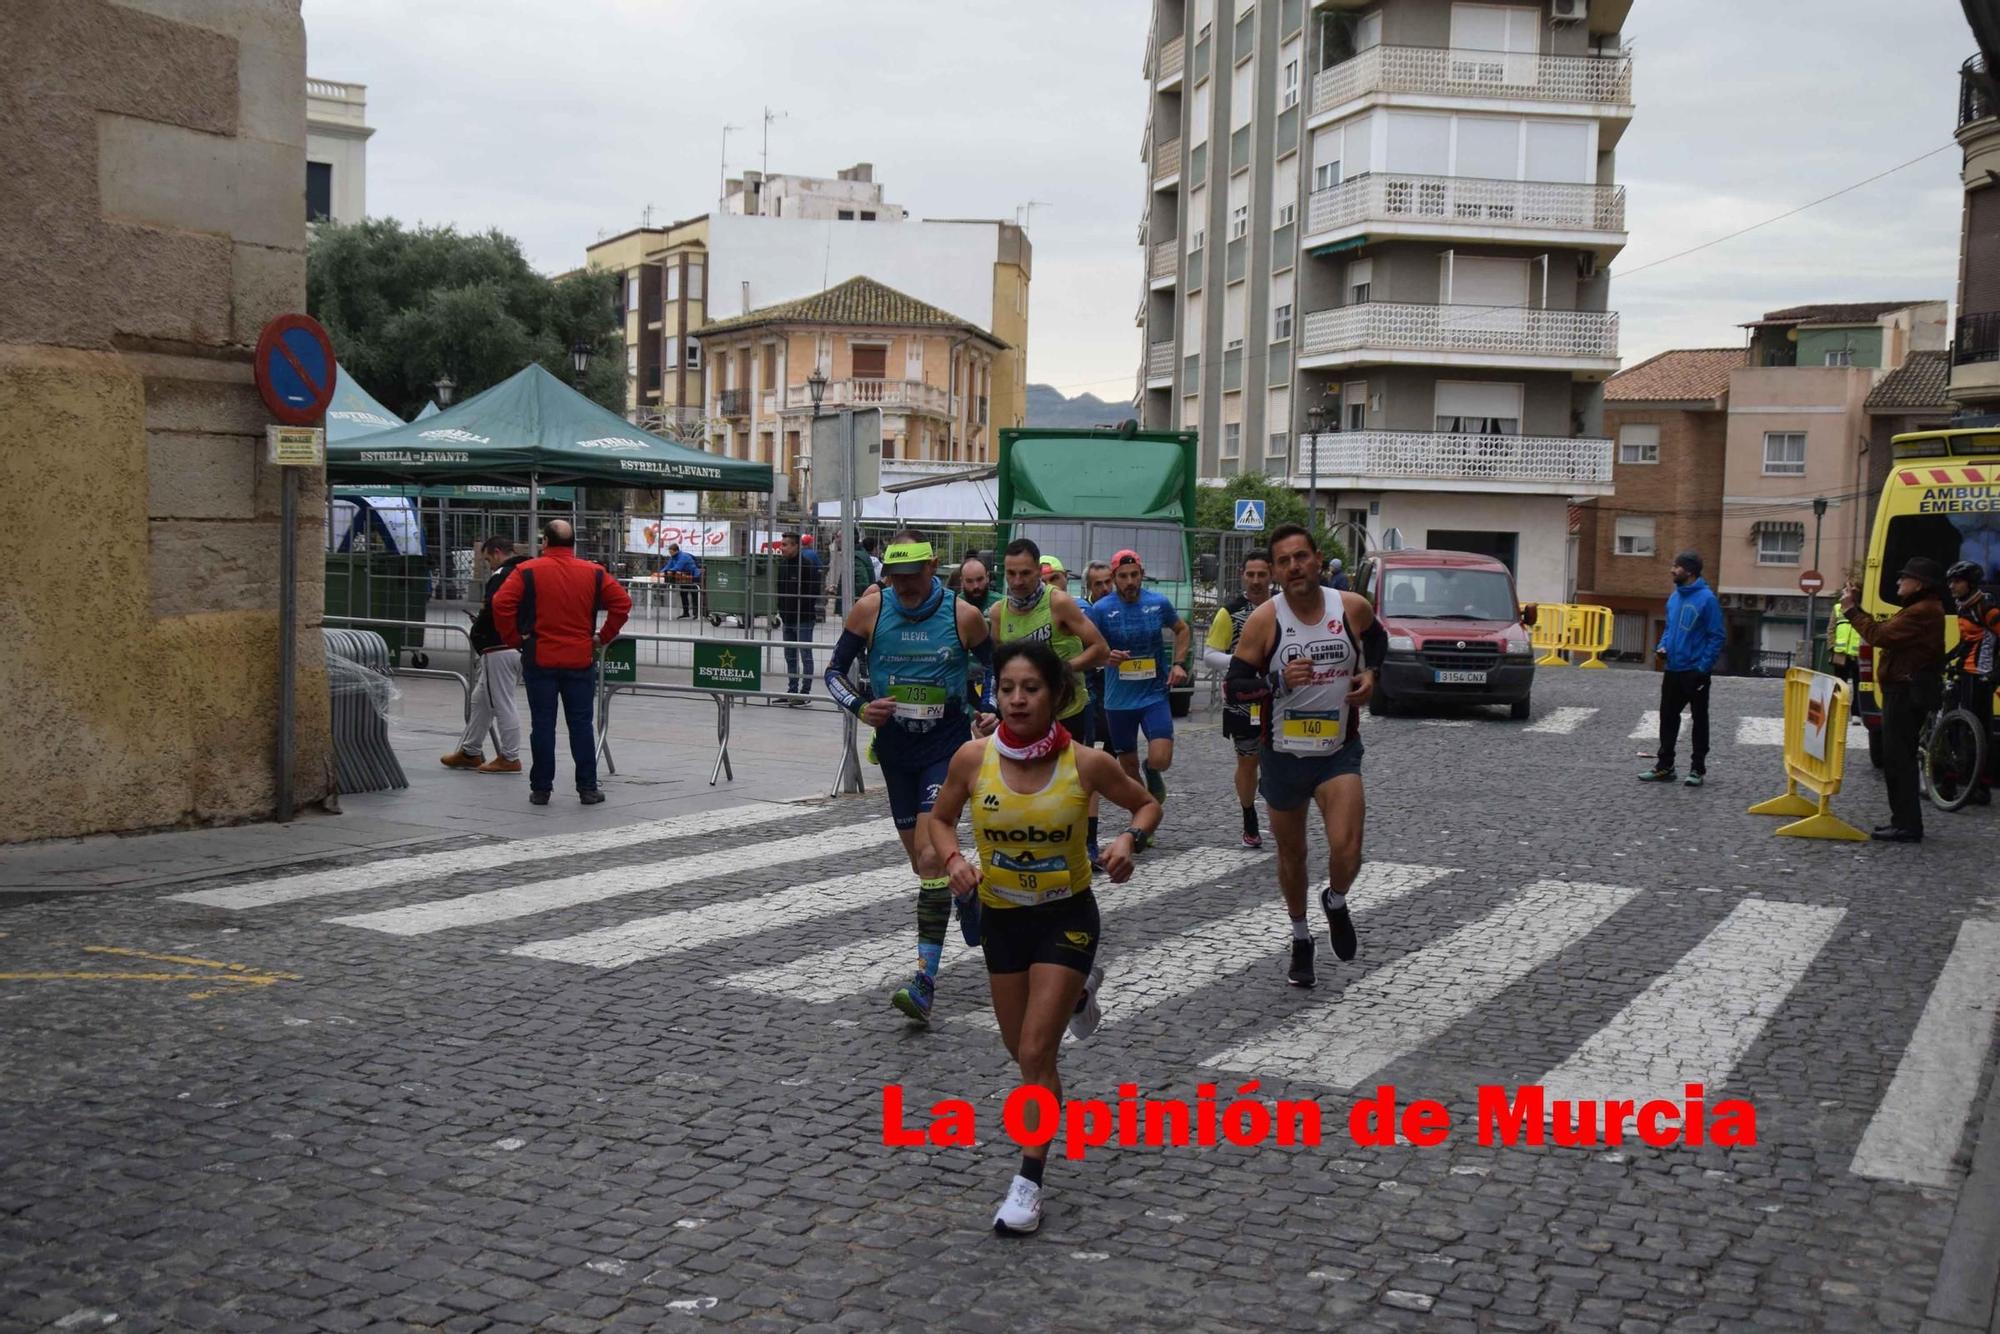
1392, 219
851, 196
337, 134
1975, 348
928, 370
663, 283
1799, 433
1668, 420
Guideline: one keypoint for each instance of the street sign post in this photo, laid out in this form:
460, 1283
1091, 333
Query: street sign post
1250, 516
1811, 582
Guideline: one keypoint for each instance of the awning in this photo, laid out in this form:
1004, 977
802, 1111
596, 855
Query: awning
1794, 527
354, 411
471, 492
971, 496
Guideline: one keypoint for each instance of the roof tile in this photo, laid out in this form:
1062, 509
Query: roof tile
1920, 382
859, 300
1682, 375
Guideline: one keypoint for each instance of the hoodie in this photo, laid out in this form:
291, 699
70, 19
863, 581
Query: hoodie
1694, 636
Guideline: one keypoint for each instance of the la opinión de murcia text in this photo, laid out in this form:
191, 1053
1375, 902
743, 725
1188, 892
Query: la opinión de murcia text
1032, 1116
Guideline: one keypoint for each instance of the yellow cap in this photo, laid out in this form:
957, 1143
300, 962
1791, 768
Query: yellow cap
906, 557
1053, 563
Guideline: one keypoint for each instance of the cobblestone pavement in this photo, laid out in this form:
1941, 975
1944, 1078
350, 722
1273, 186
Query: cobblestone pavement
632, 1077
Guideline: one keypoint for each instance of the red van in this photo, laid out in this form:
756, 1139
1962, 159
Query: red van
1455, 631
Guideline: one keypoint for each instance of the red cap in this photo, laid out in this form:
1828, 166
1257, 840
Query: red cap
1126, 555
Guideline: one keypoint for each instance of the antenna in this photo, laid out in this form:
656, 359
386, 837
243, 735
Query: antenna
722, 169
1029, 209
769, 116
646, 216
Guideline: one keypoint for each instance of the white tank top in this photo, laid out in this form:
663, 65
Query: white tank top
1312, 719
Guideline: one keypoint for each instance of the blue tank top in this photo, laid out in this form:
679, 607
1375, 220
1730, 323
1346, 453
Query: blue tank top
917, 660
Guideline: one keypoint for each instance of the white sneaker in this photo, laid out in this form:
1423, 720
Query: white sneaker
1088, 1015
1020, 1214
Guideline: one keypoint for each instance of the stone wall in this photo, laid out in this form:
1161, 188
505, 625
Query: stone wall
153, 220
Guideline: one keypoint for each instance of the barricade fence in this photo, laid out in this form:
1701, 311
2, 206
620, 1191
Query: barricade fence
1563, 628
1817, 708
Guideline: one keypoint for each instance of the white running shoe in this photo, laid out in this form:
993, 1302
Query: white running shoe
1020, 1214
1088, 1015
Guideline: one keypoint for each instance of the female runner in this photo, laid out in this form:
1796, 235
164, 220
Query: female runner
1030, 790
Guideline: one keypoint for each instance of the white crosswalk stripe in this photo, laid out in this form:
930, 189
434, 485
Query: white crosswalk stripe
434, 866
1648, 728
1916, 1129
1394, 1010
1760, 731
889, 958
1693, 1024
1561, 722
690, 928
499, 905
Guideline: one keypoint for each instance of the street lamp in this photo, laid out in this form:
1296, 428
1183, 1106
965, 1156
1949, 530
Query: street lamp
579, 361
445, 387
1315, 422
1812, 598
816, 386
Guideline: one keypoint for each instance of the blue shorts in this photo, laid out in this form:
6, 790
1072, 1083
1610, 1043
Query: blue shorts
913, 789
1288, 782
1083, 727
1122, 725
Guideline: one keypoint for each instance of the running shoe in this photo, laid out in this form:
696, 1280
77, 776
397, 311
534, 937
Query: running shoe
1694, 779
1302, 974
1253, 839
914, 1000
1156, 785
1340, 925
969, 918
1657, 776
1020, 1214
1088, 1015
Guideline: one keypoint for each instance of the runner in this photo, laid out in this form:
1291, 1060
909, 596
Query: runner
1053, 573
919, 640
1033, 877
975, 582
1096, 584
1317, 638
1034, 610
1242, 724
1132, 617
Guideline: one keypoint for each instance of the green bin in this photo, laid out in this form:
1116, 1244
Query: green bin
381, 587
740, 586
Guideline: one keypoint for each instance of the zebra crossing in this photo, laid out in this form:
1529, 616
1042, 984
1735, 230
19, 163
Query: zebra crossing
843, 937
1573, 719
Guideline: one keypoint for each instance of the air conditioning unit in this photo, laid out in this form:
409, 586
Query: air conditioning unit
1569, 11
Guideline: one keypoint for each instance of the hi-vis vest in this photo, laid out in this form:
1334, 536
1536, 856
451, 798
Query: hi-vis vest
1034, 848
1040, 623
1312, 719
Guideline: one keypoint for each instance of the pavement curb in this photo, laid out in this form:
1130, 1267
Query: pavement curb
1966, 1297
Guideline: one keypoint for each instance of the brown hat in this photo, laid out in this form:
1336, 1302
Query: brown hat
1924, 570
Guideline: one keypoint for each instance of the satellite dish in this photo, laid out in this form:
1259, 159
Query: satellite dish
1392, 539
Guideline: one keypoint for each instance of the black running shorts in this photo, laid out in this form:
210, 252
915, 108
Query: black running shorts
1063, 932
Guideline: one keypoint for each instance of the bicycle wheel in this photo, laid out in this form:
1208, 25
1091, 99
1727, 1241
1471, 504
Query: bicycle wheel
1953, 757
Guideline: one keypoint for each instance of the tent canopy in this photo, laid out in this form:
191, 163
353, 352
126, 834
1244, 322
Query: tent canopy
354, 411
429, 409
532, 425
965, 496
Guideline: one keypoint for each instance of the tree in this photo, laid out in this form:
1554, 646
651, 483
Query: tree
1215, 507
404, 307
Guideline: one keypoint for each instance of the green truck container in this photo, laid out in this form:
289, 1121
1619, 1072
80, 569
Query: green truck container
383, 587
1083, 495
739, 586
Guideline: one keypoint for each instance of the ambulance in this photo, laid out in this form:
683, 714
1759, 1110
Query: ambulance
1942, 500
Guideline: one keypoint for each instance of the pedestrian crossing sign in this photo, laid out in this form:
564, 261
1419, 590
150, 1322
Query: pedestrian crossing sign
1250, 516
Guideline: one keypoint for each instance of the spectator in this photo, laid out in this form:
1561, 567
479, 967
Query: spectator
1691, 645
684, 570
874, 561
495, 679
548, 609
975, 582
1909, 669
1845, 643
799, 591
1337, 575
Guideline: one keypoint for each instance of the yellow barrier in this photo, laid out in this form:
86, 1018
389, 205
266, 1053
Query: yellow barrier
1549, 632
1812, 701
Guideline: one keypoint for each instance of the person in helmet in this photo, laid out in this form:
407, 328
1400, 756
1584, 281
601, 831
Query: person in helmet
1978, 649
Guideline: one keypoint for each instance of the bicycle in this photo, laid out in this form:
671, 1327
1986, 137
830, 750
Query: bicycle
1951, 750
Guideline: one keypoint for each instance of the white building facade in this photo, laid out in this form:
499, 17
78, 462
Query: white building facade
337, 134
852, 195
1393, 217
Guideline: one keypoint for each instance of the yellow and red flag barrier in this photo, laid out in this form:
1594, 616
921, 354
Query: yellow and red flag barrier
1816, 713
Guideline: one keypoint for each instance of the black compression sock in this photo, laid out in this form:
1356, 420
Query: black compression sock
1093, 828
1031, 1168
1249, 819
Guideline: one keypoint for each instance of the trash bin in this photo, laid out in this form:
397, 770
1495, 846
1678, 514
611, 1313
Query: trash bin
380, 587
740, 586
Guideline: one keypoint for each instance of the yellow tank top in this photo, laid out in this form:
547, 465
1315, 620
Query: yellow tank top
1032, 848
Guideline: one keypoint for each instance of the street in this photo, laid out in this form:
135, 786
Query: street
631, 1075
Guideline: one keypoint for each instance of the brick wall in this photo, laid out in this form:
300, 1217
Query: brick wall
1682, 492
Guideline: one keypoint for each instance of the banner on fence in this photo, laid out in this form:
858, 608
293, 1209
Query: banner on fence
727, 667
697, 539
621, 660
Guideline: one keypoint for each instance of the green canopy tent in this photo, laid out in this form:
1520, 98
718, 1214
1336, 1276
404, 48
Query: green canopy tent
429, 409
533, 428
354, 411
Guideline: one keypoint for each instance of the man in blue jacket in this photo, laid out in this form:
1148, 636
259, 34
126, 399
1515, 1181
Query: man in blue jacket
1691, 646
682, 570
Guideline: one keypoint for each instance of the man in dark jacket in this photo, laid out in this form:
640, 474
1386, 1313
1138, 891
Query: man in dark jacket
1909, 668
548, 609
1691, 646
495, 680
799, 592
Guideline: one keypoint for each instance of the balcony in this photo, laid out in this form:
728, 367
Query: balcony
1977, 99
1160, 365
1421, 72
733, 403
1975, 360
1166, 259
907, 395
1172, 62
1437, 461
1507, 336
1166, 164
1383, 205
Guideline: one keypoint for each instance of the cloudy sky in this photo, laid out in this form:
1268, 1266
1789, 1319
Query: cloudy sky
561, 120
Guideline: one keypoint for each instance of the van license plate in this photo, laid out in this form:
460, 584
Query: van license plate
1459, 678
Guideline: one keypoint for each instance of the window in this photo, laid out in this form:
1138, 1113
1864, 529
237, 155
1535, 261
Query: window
1198, 116
632, 360
871, 363
846, 215
1234, 307
1326, 175
1844, 357
1465, 407
1368, 31
1239, 205
695, 291
631, 291
1780, 543
1239, 222
1360, 278
1784, 453
670, 349
1232, 439
1354, 405
1279, 446
1639, 444
1633, 536
319, 191
1285, 192
867, 216
673, 280
1288, 93
1242, 92
1281, 322
694, 354
1195, 239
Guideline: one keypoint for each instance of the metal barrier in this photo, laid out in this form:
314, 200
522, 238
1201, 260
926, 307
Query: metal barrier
435, 673
1816, 712
1563, 628
363, 759
846, 780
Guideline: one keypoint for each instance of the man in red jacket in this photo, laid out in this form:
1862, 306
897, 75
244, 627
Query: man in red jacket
548, 609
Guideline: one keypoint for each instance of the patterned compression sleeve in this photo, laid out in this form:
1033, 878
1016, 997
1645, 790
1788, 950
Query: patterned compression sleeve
1245, 684
845, 650
982, 698
1374, 646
